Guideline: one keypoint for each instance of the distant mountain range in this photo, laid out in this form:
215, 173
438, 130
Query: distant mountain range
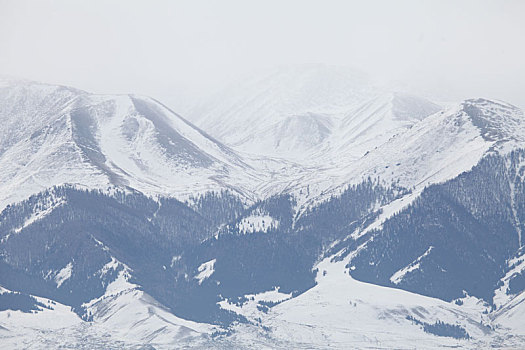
307, 209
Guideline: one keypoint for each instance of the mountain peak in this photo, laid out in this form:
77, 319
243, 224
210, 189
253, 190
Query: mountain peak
54, 135
497, 120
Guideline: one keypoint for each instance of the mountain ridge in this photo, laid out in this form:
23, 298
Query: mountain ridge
214, 246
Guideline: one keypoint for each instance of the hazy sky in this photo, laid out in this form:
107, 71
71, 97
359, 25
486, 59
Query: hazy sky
174, 49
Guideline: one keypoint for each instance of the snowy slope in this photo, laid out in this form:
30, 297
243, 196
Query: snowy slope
53, 135
432, 150
124, 317
343, 313
377, 120
510, 317
57, 135
338, 129
339, 312
284, 111
296, 137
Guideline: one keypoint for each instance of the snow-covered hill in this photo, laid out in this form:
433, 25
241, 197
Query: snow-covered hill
285, 111
53, 135
341, 313
374, 122
122, 318
331, 182
423, 152
338, 313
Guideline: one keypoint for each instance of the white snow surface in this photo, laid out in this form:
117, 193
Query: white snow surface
124, 317
150, 321
516, 265
341, 132
53, 135
284, 110
259, 223
249, 307
433, 150
401, 273
341, 313
205, 270
510, 316
64, 274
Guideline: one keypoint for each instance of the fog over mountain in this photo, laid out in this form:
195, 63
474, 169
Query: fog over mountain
181, 175
180, 51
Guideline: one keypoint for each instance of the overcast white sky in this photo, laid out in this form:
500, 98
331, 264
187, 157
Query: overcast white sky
172, 49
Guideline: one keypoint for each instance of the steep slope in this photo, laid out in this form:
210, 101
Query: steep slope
377, 120
453, 239
36, 147
432, 150
53, 135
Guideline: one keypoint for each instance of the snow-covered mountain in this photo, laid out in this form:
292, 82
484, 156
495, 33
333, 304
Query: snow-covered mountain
53, 135
314, 115
325, 213
424, 152
111, 325
374, 122
285, 111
